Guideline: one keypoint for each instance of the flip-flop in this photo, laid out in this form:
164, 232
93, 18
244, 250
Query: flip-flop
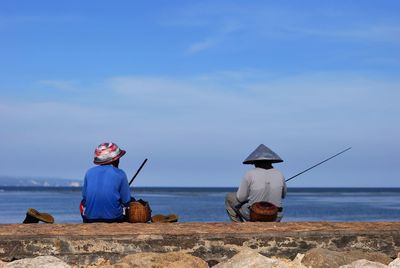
164, 218
44, 217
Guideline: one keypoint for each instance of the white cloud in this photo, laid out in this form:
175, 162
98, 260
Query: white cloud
60, 84
206, 117
222, 90
202, 46
377, 33
162, 92
222, 33
7, 21
269, 21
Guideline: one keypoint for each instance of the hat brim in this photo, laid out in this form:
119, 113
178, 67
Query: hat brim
252, 162
122, 153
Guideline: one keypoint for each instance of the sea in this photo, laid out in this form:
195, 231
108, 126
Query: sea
207, 204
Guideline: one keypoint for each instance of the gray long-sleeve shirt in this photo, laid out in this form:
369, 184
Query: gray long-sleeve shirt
261, 184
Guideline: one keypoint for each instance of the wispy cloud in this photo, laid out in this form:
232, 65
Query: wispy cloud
265, 21
380, 33
201, 46
170, 94
222, 34
7, 21
254, 92
64, 85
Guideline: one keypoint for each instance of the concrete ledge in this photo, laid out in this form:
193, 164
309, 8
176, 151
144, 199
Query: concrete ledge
85, 243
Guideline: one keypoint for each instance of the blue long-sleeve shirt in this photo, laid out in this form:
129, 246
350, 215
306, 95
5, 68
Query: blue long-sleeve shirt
105, 192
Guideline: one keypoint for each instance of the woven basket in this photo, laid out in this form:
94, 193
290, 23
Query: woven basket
263, 211
139, 211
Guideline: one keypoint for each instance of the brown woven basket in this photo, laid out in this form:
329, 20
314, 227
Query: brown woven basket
263, 211
139, 211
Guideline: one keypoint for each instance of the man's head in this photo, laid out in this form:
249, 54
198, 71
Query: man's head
108, 153
263, 164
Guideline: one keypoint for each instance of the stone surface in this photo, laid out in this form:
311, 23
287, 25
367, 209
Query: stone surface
159, 260
247, 258
84, 244
252, 259
364, 264
272, 228
320, 257
395, 263
297, 262
99, 262
41, 261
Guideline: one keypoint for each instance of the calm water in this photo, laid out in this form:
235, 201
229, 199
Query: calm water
207, 204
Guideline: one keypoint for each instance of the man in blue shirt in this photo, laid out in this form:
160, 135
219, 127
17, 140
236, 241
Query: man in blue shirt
105, 192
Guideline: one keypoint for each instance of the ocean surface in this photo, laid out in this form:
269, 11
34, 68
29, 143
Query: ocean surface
207, 204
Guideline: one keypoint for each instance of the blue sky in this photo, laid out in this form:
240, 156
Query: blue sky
195, 86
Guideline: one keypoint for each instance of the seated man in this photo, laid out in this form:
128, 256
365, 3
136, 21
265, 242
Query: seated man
261, 184
105, 192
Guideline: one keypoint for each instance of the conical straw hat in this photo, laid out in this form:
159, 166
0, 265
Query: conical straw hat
262, 153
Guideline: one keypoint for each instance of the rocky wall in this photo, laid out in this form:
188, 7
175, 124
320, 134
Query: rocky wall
85, 243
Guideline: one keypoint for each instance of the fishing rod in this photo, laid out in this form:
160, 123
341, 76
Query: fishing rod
137, 172
317, 164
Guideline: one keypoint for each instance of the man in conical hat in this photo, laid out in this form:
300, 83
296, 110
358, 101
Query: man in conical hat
264, 183
106, 191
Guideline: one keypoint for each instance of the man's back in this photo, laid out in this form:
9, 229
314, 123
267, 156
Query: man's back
261, 184
105, 190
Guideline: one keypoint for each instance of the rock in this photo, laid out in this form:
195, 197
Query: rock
252, 259
41, 261
319, 257
210, 263
98, 263
297, 260
395, 263
159, 260
2, 264
247, 258
364, 264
